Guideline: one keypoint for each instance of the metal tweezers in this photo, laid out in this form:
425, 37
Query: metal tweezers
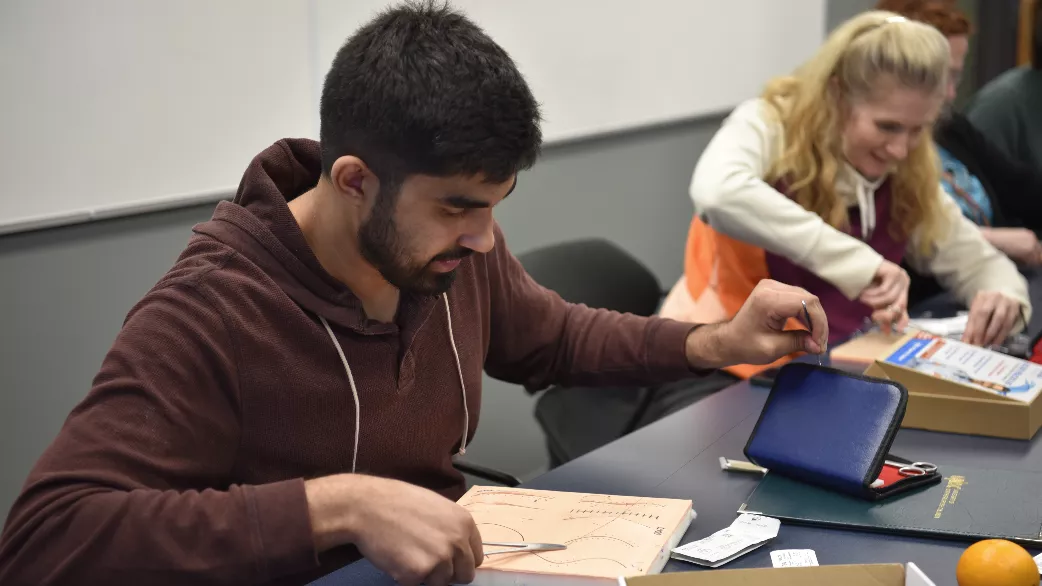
522, 546
810, 326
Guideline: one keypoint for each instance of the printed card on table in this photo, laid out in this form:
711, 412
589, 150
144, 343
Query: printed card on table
980, 368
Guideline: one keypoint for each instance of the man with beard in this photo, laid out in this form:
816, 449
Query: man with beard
290, 396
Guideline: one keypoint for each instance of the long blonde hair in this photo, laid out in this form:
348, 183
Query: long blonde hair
855, 59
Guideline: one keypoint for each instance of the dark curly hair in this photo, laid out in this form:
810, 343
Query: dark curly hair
420, 89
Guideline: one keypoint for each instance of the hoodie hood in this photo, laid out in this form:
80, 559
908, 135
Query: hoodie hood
858, 191
259, 224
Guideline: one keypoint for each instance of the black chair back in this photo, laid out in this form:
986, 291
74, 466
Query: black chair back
597, 273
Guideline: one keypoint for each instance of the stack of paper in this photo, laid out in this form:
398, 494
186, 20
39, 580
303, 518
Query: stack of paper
747, 533
606, 536
944, 327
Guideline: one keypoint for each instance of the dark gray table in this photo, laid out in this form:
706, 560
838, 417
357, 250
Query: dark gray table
679, 455
688, 447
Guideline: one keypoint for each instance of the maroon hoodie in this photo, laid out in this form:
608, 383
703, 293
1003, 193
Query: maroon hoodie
224, 391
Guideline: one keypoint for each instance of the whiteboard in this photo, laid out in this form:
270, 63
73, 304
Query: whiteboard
111, 106
600, 66
117, 106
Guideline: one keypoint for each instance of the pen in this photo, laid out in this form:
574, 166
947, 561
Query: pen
806, 314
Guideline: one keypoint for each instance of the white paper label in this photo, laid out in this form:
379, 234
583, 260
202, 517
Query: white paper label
747, 533
945, 326
1038, 562
793, 558
915, 577
719, 545
757, 525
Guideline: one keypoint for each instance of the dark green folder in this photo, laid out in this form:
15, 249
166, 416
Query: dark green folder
968, 504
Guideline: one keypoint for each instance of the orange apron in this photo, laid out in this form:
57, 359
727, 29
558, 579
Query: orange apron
719, 275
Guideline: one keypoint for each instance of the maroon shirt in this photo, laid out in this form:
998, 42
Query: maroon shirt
846, 316
223, 392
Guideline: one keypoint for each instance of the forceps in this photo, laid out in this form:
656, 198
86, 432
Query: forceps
522, 546
806, 314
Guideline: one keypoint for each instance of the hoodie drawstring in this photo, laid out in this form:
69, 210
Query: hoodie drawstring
459, 371
354, 388
865, 191
867, 206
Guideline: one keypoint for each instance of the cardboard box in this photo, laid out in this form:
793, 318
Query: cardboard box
852, 575
945, 404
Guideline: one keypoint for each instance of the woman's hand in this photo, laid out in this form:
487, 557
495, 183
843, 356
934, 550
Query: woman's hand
887, 295
992, 317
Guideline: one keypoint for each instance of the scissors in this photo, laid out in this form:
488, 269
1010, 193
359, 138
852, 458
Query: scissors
913, 469
522, 546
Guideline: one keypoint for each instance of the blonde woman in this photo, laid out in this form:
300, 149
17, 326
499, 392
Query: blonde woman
829, 181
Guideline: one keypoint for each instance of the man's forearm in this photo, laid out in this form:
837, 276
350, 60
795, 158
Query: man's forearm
86, 533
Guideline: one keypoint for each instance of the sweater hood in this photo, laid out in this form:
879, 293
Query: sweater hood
259, 225
858, 191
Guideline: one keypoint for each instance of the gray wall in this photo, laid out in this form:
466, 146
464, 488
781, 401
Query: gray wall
838, 11
65, 291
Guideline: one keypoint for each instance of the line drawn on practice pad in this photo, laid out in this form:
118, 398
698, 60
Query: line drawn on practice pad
595, 513
599, 537
518, 519
609, 522
635, 523
501, 504
576, 561
512, 493
504, 527
615, 518
623, 504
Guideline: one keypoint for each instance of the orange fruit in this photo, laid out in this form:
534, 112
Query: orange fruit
996, 562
